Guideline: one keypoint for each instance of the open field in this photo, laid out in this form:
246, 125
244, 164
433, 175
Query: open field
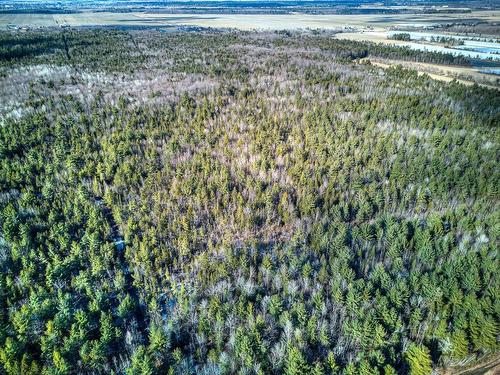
213, 201
445, 73
245, 21
465, 74
381, 36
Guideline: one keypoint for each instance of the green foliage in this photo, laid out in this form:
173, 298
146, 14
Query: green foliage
296, 364
418, 360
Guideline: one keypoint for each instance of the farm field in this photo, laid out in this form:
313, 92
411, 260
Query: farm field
244, 21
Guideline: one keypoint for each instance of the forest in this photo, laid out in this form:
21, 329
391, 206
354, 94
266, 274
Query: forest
242, 203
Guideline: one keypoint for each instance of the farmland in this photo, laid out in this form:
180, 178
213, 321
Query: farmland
242, 21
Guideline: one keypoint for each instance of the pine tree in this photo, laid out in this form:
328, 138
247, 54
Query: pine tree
296, 363
418, 360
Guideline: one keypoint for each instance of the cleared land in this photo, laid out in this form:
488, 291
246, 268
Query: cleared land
245, 21
490, 365
464, 74
382, 36
446, 73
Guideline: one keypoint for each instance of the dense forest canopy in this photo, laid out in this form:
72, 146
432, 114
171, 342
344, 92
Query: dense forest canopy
239, 202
